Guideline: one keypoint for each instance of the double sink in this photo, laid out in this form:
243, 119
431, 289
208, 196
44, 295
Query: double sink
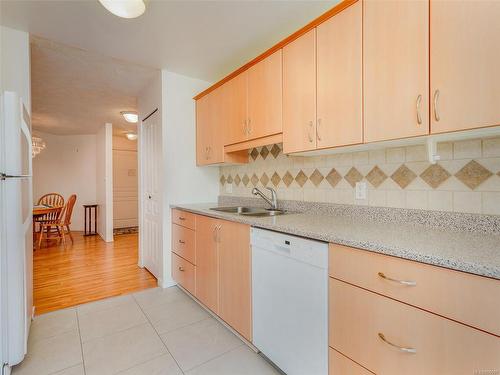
249, 211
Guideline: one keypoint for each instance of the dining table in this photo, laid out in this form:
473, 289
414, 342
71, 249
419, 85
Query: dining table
40, 210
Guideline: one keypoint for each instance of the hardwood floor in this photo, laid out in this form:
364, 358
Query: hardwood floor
88, 270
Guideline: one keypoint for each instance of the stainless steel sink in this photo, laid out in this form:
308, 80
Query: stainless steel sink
249, 211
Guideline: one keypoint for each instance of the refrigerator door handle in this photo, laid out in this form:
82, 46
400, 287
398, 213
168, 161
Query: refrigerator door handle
4, 176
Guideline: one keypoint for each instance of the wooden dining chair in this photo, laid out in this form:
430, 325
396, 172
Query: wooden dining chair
59, 227
52, 200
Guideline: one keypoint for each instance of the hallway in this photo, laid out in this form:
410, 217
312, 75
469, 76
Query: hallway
86, 271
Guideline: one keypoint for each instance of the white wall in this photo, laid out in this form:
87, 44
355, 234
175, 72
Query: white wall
67, 166
104, 181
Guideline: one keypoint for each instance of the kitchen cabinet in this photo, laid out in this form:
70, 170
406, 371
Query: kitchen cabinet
183, 242
235, 277
184, 273
209, 130
465, 82
396, 72
207, 262
299, 94
234, 94
339, 79
339, 364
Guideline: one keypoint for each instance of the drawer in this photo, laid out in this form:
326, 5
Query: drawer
186, 219
341, 365
442, 346
184, 242
183, 272
457, 295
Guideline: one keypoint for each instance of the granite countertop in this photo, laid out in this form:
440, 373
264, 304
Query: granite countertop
475, 253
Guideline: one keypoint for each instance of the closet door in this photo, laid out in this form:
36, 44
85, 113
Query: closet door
340, 101
299, 94
396, 74
465, 55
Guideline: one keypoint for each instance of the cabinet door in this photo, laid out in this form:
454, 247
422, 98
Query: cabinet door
299, 94
235, 109
216, 127
235, 306
203, 136
465, 53
265, 97
340, 101
206, 262
396, 74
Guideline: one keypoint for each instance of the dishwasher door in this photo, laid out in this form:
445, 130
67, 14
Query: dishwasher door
290, 301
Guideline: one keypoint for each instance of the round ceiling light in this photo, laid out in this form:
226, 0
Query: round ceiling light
131, 136
130, 116
124, 8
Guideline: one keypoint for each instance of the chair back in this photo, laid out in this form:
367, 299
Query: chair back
69, 209
53, 200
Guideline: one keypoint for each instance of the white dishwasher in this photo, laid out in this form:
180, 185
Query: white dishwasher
290, 301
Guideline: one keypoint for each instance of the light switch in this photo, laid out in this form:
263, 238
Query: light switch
360, 190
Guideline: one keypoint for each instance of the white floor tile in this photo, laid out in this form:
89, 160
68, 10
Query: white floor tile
104, 304
46, 356
163, 365
170, 316
122, 350
240, 361
75, 370
199, 342
53, 324
150, 298
115, 319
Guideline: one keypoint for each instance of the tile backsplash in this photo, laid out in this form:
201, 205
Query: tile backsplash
466, 179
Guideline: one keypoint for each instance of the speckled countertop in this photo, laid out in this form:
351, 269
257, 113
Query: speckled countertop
476, 253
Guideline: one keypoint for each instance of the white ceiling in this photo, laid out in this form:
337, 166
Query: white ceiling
202, 39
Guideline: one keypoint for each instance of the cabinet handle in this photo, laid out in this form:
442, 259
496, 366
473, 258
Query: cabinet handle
182, 242
402, 282
317, 130
400, 348
217, 236
214, 233
249, 126
436, 100
245, 127
182, 218
419, 116
206, 153
309, 132
181, 269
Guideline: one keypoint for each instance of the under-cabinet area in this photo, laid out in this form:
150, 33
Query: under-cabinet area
386, 314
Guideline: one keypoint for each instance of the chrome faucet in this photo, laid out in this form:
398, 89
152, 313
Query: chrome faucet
273, 202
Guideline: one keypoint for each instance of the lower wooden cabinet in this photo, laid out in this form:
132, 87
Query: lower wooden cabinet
339, 364
183, 272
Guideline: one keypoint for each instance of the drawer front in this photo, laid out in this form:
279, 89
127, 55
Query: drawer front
183, 272
442, 346
184, 242
341, 365
457, 295
186, 219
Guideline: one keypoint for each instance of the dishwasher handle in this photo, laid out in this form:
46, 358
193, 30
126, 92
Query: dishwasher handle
282, 249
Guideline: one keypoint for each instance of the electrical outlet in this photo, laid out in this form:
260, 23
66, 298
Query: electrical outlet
360, 190
229, 188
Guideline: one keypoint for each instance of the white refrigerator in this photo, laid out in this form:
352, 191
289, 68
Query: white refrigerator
16, 238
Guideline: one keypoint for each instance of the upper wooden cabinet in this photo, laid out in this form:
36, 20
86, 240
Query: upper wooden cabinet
396, 73
209, 129
339, 79
465, 78
264, 81
234, 93
299, 94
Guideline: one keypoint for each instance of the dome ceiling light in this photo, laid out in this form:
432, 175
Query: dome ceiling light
124, 8
130, 116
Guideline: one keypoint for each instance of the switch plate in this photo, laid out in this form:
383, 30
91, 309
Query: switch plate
360, 190
229, 188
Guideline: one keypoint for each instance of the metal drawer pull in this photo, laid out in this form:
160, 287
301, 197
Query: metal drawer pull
419, 116
400, 348
182, 218
182, 242
309, 132
436, 99
403, 282
181, 269
317, 130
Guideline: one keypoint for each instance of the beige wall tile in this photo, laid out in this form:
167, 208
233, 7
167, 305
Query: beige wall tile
395, 155
491, 203
377, 156
377, 198
445, 150
417, 199
416, 153
396, 198
360, 158
440, 200
469, 149
491, 147
467, 202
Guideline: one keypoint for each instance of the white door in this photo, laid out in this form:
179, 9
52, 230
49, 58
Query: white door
150, 150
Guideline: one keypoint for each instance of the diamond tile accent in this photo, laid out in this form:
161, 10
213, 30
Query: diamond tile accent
403, 176
473, 174
222, 180
275, 179
376, 176
301, 178
229, 179
353, 176
264, 152
275, 151
287, 179
254, 180
333, 177
237, 180
264, 179
316, 177
435, 175
245, 179
254, 154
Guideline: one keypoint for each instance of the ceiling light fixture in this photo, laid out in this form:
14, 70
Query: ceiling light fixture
124, 8
130, 116
131, 136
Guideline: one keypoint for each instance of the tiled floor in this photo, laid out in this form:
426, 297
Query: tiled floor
153, 332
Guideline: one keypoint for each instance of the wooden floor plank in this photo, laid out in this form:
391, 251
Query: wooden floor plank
86, 271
